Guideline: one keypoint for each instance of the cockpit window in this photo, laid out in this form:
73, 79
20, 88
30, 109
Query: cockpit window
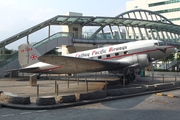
161, 43
156, 44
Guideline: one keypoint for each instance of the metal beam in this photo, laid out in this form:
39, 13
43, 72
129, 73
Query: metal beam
163, 35
145, 29
134, 34
140, 32
146, 16
111, 32
135, 15
167, 36
152, 34
140, 15
119, 32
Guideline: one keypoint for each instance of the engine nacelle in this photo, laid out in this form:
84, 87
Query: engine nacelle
140, 60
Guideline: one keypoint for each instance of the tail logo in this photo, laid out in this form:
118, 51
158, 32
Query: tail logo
33, 57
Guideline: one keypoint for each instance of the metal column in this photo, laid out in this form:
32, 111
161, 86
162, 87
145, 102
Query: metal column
119, 32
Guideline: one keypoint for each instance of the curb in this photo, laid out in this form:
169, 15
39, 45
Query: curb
168, 95
59, 106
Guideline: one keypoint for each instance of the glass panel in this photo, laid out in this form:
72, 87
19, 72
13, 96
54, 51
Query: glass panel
72, 19
109, 20
61, 18
98, 20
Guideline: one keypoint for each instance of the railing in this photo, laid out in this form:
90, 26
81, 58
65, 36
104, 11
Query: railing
52, 37
124, 36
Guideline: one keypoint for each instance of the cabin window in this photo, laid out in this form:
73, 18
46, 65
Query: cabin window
125, 52
108, 55
99, 57
116, 54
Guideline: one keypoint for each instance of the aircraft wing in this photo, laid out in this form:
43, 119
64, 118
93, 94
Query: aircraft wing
82, 64
25, 69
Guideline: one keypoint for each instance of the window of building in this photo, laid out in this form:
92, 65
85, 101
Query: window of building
168, 10
163, 3
174, 19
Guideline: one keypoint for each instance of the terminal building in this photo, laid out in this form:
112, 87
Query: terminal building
132, 25
168, 8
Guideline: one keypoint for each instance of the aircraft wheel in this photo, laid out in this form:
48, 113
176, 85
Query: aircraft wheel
133, 77
127, 80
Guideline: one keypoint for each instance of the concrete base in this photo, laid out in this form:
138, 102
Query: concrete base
45, 100
176, 84
114, 92
91, 95
133, 90
161, 86
14, 99
149, 87
66, 99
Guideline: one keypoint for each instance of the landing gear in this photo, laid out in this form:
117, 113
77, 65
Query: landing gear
38, 76
132, 76
128, 78
128, 74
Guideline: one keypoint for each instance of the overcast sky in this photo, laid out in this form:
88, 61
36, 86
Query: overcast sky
18, 15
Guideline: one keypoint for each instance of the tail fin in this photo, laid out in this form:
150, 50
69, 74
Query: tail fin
27, 55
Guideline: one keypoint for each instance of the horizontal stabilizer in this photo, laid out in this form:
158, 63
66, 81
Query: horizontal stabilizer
24, 69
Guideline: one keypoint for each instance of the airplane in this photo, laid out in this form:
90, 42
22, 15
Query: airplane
121, 59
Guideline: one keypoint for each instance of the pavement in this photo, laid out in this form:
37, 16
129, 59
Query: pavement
21, 87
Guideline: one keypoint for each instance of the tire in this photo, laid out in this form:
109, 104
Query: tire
127, 79
133, 77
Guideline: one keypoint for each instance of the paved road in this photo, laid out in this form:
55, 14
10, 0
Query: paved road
145, 107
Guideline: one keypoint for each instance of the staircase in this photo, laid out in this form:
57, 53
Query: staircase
42, 47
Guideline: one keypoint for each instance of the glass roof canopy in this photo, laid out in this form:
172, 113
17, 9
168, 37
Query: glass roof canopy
113, 21
95, 21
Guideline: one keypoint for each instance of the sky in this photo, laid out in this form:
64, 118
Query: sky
19, 15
